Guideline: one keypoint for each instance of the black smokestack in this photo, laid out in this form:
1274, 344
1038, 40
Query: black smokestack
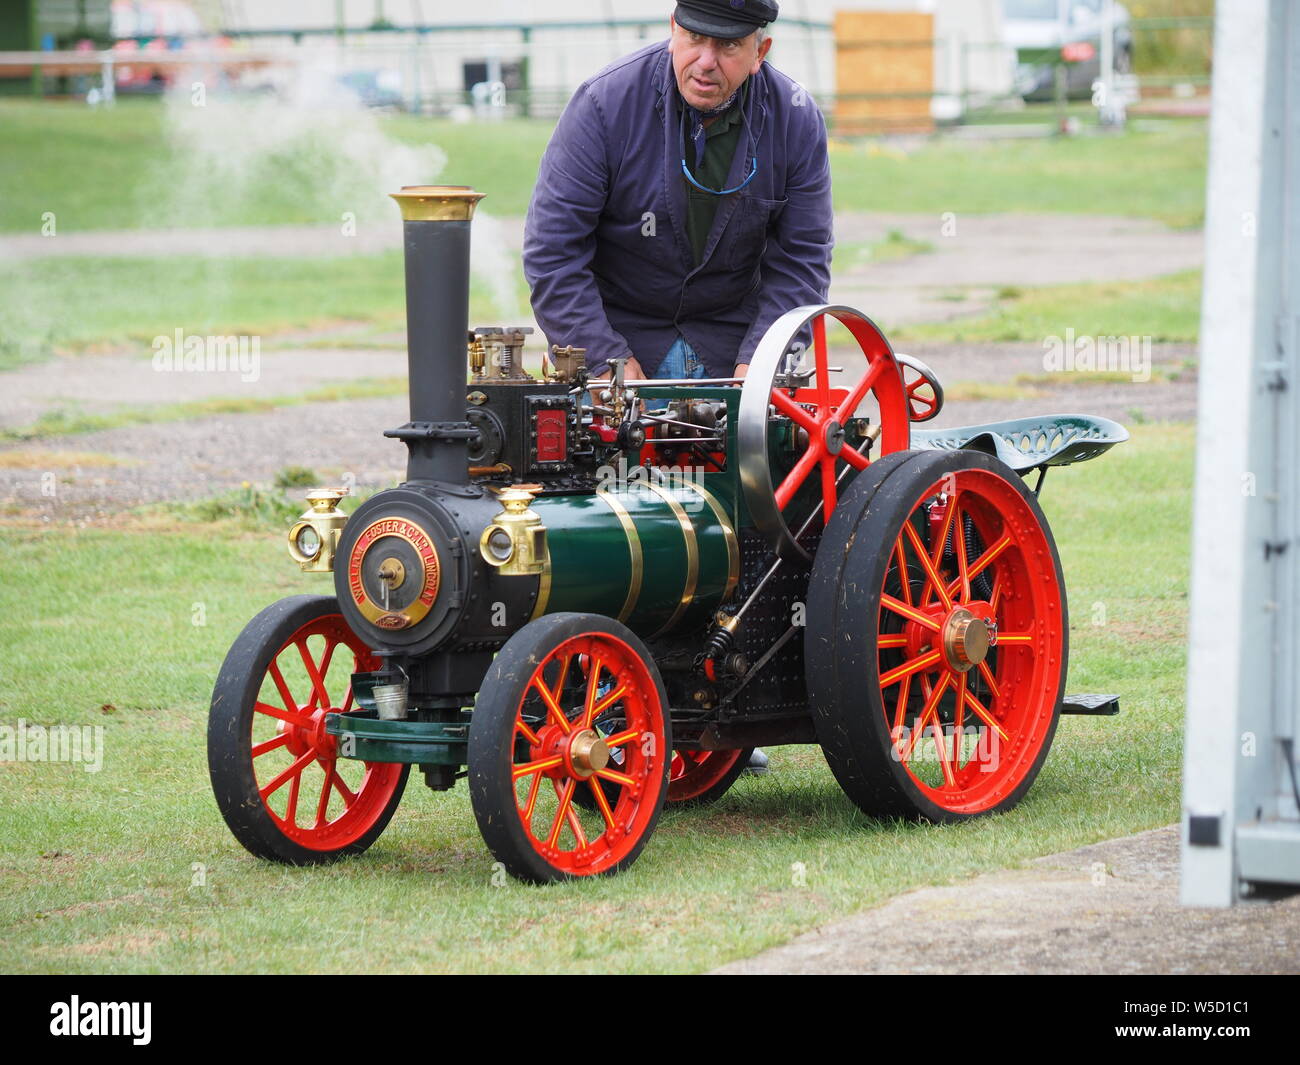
436, 235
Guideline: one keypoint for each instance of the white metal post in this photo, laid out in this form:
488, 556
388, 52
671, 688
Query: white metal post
108, 80
1106, 104
1241, 825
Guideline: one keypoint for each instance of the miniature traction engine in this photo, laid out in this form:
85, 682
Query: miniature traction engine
592, 598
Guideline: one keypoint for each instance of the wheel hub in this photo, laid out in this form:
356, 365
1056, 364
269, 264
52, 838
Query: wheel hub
587, 753
965, 640
833, 437
311, 736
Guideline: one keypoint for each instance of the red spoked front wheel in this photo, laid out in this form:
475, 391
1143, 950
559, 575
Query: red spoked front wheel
938, 692
275, 771
569, 749
787, 482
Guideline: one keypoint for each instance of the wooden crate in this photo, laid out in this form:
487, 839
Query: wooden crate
884, 72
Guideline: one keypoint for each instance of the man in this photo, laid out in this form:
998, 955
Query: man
684, 202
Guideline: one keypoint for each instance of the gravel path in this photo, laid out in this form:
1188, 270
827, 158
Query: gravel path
62, 480
1108, 908
978, 253
201, 457
1009, 248
982, 253
101, 384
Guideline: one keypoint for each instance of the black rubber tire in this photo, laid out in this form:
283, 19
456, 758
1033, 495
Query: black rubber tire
843, 617
491, 738
230, 720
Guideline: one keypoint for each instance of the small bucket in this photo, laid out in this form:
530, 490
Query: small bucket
390, 701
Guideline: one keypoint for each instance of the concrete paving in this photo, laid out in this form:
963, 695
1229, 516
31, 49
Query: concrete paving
975, 255
1108, 908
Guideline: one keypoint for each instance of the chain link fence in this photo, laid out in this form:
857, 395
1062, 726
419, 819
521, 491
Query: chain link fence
498, 71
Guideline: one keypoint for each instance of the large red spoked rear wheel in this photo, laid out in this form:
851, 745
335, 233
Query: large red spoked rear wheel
786, 483
275, 771
937, 639
540, 736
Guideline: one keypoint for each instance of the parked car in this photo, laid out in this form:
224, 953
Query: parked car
1046, 33
149, 34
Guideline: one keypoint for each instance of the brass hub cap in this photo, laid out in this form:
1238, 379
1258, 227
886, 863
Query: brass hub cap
392, 573
965, 640
588, 753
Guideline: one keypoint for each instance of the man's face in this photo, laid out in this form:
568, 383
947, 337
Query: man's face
710, 69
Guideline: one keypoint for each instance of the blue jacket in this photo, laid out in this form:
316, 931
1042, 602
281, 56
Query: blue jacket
606, 251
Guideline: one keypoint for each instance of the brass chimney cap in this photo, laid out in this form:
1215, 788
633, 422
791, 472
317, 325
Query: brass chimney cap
437, 203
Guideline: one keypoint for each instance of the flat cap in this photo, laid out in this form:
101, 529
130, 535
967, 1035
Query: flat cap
725, 18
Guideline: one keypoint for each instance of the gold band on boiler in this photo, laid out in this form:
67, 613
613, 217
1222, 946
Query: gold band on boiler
729, 533
633, 550
692, 554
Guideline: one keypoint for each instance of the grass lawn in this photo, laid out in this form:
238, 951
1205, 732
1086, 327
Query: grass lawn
893, 245
61, 422
126, 302
163, 166
132, 869
1146, 174
142, 165
1163, 308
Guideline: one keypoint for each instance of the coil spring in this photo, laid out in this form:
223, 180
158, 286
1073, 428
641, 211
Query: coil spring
981, 586
716, 647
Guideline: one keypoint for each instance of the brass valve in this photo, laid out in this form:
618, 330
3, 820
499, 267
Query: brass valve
568, 361
477, 356
496, 354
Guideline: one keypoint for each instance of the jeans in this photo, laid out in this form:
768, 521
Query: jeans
680, 362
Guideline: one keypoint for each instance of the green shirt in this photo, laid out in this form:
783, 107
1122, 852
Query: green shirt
720, 143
